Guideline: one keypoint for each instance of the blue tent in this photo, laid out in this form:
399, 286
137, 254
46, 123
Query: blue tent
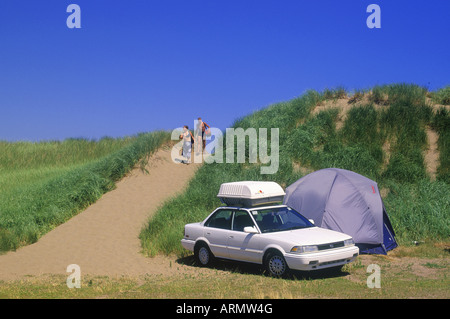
347, 202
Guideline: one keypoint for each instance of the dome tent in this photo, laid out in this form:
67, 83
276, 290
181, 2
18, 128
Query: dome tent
347, 202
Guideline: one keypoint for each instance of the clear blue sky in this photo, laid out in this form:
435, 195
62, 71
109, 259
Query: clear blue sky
137, 66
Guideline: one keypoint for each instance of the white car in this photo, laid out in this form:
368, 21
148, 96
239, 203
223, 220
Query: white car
276, 236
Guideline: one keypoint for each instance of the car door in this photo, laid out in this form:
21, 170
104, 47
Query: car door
216, 231
241, 245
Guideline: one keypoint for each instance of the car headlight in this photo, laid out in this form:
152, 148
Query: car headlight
349, 242
304, 249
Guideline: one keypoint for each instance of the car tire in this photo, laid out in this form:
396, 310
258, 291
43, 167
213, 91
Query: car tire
276, 265
203, 255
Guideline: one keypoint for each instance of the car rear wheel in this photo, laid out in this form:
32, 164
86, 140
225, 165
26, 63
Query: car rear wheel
276, 265
203, 255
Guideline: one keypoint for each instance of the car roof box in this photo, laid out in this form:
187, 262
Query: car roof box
250, 193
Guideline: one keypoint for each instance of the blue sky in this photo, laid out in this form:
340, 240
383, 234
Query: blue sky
137, 66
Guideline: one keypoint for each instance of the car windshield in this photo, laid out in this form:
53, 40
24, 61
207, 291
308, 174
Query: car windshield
279, 219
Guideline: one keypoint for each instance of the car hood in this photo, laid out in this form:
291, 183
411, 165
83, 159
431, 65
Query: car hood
308, 236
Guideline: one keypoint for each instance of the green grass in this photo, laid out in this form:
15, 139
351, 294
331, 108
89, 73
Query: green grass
442, 96
396, 114
44, 184
419, 211
402, 93
25, 162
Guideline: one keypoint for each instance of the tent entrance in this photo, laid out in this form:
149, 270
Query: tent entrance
388, 244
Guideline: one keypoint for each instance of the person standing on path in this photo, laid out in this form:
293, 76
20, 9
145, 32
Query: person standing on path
200, 134
188, 139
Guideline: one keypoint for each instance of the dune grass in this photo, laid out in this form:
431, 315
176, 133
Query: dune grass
441, 96
44, 184
26, 162
419, 212
394, 114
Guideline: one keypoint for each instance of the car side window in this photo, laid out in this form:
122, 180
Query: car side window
220, 219
241, 220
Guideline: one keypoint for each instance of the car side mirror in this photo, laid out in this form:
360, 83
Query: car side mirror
250, 230
311, 221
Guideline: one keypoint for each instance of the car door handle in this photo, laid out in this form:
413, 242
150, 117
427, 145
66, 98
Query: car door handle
230, 236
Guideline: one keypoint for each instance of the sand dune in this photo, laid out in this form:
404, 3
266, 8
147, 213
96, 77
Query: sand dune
103, 240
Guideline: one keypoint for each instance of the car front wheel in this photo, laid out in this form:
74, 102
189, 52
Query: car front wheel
276, 265
203, 255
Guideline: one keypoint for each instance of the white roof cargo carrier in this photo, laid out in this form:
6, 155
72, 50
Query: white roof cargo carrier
250, 193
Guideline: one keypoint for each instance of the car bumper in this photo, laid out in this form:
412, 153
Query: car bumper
188, 244
320, 260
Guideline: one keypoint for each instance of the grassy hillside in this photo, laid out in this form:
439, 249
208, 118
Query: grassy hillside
380, 133
44, 184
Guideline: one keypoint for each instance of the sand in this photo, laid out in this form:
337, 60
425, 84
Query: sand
103, 239
431, 155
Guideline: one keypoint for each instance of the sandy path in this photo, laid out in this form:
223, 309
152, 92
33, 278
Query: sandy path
431, 155
103, 240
